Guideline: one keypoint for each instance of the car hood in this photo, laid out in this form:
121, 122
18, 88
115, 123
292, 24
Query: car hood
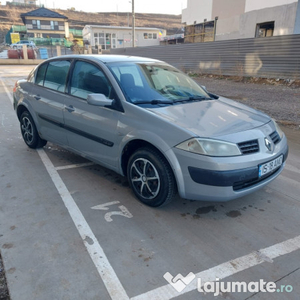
212, 117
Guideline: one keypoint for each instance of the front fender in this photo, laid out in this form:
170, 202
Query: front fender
161, 145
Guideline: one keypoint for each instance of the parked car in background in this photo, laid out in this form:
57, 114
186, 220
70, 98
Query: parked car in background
19, 45
148, 121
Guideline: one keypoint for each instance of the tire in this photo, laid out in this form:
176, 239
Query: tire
151, 178
29, 132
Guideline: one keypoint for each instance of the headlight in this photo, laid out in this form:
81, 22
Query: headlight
210, 147
278, 129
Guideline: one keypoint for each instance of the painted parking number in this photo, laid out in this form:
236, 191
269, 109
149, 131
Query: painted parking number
108, 216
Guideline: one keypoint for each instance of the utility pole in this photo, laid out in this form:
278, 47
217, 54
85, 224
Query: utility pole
133, 24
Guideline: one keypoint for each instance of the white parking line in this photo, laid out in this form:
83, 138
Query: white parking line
7, 91
105, 270
226, 269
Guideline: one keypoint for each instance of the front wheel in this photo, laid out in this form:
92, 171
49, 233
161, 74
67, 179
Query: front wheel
151, 178
29, 132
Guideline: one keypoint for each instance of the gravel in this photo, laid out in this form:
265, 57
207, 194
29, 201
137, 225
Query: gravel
4, 295
277, 99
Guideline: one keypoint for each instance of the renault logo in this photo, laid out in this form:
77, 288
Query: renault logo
268, 144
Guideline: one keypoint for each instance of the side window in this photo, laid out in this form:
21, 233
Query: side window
41, 74
30, 77
88, 79
56, 75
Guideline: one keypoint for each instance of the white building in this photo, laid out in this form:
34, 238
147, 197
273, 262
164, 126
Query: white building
110, 37
245, 18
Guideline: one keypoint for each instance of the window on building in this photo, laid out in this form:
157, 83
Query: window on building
36, 24
101, 40
105, 40
150, 36
108, 40
114, 40
96, 39
264, 29
54, 25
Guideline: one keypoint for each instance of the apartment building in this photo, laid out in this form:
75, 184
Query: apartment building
43, 22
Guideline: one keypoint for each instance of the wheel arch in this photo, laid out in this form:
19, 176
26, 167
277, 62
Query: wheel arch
20, 110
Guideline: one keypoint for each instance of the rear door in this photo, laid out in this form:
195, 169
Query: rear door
47, 96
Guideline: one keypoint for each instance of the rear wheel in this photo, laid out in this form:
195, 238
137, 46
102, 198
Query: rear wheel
29, 132
151, 178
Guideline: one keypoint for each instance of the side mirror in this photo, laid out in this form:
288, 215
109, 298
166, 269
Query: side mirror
98, 100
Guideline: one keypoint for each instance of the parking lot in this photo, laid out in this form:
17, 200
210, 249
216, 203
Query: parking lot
70, 229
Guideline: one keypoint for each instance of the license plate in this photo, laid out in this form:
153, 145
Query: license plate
270, 166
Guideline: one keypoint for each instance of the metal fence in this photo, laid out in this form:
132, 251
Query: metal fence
272, 57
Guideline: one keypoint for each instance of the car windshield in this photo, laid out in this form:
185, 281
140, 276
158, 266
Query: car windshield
156, 83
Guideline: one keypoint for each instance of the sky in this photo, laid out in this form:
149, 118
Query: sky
141, 6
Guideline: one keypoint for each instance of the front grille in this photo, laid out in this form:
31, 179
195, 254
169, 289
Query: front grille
249, 147
275, 137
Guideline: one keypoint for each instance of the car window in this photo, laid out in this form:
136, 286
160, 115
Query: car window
30, 77
56, 75
41, 74
89, 79
129, 69
144, 82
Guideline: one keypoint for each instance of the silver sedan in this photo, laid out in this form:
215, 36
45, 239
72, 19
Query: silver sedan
148, 121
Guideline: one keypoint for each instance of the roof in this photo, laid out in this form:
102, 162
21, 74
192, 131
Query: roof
122, 27
43, 12
108, 58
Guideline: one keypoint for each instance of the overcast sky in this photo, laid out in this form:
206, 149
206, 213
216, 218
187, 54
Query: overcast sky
141, 6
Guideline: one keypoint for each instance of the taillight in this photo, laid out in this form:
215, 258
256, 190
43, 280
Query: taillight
15, 87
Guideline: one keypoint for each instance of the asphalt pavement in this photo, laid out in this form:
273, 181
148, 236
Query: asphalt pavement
70, 229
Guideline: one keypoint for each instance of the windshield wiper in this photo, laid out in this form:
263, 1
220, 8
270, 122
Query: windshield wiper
154, 102
193, 98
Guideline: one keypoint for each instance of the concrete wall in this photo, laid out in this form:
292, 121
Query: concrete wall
228, 9
260, 4
297, 20
244, 26
197, 11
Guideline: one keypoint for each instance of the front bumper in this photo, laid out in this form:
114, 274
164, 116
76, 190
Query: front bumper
223, 179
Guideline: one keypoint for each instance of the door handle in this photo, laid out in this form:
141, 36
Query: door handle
37, 97
70, 108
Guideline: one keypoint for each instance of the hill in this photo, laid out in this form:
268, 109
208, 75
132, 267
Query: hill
10, 15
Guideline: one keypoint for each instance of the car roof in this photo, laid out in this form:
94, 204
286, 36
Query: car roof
109, 58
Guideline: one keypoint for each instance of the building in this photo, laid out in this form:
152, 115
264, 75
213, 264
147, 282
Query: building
208, 20
111, 37
44, 23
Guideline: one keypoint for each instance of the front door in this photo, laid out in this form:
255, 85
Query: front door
91, 130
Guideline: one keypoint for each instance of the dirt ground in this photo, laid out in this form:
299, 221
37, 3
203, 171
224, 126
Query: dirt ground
278, 98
